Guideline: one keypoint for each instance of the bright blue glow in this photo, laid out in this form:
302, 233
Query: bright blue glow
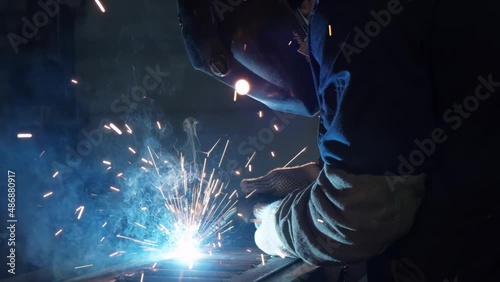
187, 251
186, 248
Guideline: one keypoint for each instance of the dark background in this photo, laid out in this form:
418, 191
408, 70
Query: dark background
107, 53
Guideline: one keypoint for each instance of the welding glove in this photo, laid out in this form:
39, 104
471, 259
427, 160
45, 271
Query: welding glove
277, 183
266, 237
280, 182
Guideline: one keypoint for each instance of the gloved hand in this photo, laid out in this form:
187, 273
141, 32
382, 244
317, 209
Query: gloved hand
276, 184
280, 182
266, 237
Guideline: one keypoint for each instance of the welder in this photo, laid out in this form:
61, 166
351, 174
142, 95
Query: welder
407, 94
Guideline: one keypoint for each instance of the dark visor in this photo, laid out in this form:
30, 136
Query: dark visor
256, 41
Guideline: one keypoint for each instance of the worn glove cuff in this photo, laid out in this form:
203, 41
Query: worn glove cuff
266, 236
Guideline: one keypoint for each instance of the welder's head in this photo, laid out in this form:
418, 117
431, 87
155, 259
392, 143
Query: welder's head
257, 47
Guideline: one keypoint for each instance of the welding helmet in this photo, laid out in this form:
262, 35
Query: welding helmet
258, 44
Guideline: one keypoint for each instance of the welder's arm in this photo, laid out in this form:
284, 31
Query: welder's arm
345, 218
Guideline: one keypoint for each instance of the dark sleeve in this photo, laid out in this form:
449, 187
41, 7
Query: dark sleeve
373, 82
346, 218
375, 94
